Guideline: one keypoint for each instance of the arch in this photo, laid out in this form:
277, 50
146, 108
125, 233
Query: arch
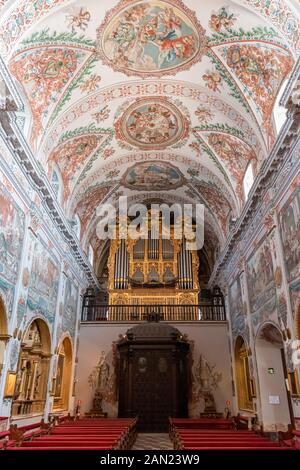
33, 370
244, 380
276, 411
63, 374
3, 332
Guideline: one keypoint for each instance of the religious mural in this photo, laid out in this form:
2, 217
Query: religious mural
150, 37
70, 307
289, 222
152, 123
44, 281
261, 283
238, 319
12, 221
152, 176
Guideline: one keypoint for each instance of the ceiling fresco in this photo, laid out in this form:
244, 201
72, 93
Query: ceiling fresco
171, 99
151, 38
152, 123
157, 176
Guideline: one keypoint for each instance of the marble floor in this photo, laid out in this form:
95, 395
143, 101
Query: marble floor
153, 441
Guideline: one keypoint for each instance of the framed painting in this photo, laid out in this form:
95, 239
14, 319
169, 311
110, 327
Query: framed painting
10, 384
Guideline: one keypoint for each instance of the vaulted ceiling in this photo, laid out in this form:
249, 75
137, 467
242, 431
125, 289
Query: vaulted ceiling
157, 100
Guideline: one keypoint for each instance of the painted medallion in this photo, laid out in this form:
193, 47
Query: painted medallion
152, 123
151, 38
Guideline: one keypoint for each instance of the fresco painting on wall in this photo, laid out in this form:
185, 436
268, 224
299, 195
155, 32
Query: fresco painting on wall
295, 296
289, 222
261, 284
70, 310
43, 288
12, 221
236, 307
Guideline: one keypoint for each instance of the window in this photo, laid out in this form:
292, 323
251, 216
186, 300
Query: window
279, 112
91, 255
245, 383
76, 225
248, 180
56, 184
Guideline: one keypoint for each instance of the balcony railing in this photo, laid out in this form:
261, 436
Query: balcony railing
104, 312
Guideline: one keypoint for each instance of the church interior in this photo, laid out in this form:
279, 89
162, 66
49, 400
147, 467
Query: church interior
111, 339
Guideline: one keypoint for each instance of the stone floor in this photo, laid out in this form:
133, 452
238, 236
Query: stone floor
153, 441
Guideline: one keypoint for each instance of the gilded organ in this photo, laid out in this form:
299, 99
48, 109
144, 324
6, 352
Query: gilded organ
153, 270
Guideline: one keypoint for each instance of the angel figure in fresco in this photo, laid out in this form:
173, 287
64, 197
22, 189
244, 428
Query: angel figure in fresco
78, 21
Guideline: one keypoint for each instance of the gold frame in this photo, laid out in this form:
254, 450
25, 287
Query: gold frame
294, 385
10, 384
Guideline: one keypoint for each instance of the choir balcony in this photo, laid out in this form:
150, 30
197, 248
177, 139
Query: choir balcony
212, 309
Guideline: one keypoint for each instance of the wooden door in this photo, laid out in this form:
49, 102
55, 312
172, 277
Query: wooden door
152, 389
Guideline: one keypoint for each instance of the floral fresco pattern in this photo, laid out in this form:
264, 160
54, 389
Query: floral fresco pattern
151, 37
235, 153
71, 155
261, 69
78, 21
44, 73
12, 226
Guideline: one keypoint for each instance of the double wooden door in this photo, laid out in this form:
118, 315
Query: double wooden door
152, 385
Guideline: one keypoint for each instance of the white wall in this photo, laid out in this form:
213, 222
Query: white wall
210, 339
275, 417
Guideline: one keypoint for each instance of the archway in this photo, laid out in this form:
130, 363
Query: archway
33, 370
244, 380
63, 376
272, 372
3, 333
